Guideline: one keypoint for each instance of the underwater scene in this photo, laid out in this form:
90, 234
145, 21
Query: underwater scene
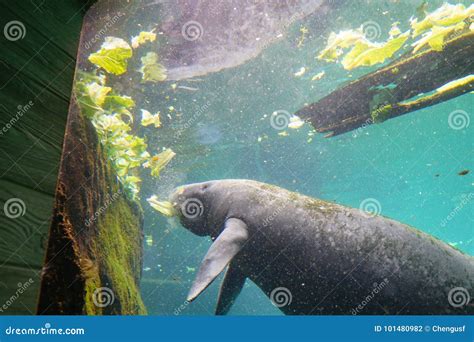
362, 106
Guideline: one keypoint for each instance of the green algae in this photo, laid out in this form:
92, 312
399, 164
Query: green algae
381, 113
115, 253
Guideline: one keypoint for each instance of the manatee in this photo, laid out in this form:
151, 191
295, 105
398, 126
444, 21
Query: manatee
311, 256
202, 37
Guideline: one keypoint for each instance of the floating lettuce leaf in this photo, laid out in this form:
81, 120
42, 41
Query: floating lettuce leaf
97, 93
91, 97
158, 162
142, 38
149, 119
164, 207
116, 103
367, 54
446, 15
111, 124
338, 42
152, 70
112, 56
436, 36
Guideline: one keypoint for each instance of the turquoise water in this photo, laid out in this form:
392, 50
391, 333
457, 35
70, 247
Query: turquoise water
409, 165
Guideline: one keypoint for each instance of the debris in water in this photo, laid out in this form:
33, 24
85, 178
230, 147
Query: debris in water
300, 72
295, 122
318, 76
149, 119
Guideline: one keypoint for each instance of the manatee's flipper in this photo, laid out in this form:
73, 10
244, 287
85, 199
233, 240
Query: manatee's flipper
224, 248
233, 283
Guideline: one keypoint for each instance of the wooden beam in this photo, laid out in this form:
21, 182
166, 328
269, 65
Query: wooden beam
351, 106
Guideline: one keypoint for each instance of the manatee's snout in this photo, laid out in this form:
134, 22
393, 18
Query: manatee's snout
176, 198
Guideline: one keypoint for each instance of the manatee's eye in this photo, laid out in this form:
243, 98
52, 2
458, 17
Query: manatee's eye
204, 187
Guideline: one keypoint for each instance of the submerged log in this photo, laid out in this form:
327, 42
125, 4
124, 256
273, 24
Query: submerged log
355, 104
94, 255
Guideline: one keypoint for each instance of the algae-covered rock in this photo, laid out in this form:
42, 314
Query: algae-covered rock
94, 255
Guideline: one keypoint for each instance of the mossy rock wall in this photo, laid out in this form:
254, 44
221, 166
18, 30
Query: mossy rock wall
94, 255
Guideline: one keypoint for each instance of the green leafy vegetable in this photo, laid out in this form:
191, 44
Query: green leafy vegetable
364, 54
158, 162
152, 70
164, 207
149, 119
113, 55
142, 38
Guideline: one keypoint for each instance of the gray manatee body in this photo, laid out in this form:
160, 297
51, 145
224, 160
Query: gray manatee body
315, 257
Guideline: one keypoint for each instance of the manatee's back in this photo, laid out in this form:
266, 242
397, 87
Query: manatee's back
342, 255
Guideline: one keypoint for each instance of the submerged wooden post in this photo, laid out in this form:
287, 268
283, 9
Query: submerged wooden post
379, 95
94, 255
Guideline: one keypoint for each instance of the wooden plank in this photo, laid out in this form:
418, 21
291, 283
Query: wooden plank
36, 74
350, 106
